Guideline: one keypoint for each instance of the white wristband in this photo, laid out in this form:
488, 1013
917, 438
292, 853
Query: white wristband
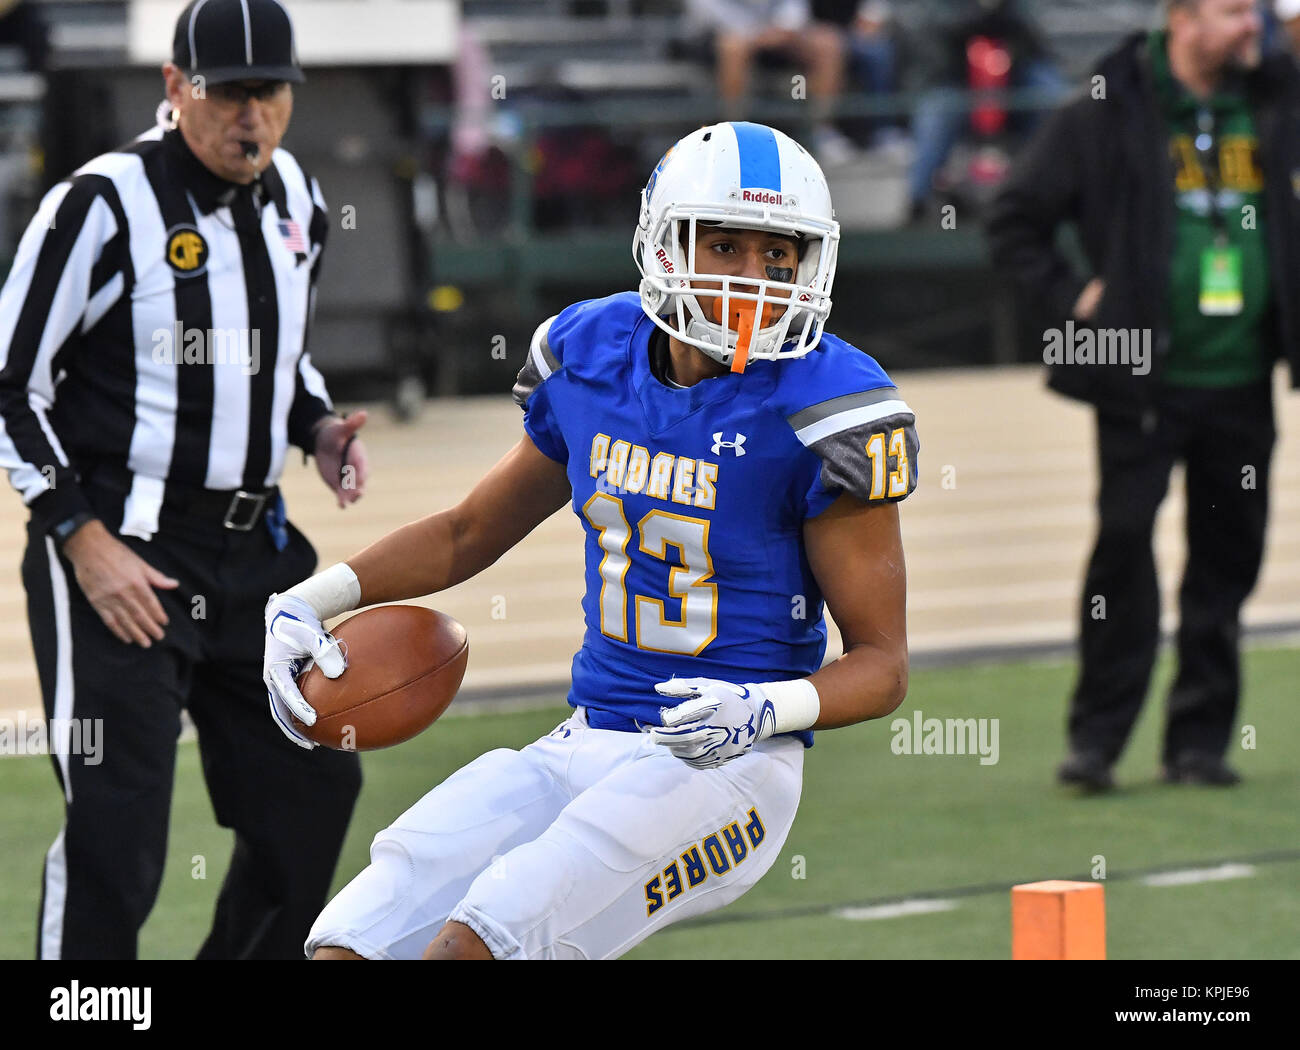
330, 593
796, 704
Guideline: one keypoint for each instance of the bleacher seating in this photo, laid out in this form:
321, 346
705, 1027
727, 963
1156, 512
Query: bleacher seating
543, 43
626, 61
604, 46
640, 60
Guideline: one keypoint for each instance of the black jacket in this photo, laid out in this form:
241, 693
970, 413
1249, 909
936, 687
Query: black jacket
1104, 164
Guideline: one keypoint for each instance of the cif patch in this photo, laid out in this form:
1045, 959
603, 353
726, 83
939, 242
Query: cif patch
187, 251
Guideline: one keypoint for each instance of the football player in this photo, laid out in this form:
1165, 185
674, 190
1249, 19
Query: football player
735, 469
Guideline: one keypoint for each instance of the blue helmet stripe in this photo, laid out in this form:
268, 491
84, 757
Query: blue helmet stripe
760, 162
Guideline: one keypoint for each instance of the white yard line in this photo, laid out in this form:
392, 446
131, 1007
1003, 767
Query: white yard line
894, 911
1191, 876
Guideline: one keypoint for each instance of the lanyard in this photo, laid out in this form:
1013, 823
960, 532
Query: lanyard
1206, 145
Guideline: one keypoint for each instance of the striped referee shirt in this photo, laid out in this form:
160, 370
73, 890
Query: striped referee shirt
156, 319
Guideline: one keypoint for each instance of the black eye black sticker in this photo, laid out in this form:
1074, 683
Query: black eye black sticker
780, 273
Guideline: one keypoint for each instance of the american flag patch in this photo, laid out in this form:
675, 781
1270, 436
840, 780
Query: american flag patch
292, 234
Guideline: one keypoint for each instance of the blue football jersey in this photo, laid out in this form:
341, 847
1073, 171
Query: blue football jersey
693, 500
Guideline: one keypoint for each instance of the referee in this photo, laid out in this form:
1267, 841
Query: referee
153, 373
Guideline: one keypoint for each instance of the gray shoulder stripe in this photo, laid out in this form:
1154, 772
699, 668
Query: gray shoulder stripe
816, 413
877, 414
543, 347
551, 360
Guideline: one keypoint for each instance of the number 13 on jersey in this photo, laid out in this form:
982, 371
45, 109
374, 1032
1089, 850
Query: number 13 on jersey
688, 579
898, 478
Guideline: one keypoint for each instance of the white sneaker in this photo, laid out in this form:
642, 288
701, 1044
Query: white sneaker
832, 148
894, 146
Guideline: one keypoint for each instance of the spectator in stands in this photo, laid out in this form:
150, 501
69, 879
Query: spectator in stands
23, 49
943, 109
1288, 13
23, 37
745, 30
873, 57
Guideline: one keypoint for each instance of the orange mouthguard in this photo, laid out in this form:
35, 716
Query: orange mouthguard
741, 319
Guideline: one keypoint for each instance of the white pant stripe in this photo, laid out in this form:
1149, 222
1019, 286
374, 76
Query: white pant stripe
56, 868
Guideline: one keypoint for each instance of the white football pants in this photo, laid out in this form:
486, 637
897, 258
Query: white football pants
577, 847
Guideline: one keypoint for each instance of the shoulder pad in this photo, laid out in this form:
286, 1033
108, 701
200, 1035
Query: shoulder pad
579, 340
538, 367
584, 335
844, 407
833, 370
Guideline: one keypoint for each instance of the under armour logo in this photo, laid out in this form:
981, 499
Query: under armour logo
747, 729
737, 446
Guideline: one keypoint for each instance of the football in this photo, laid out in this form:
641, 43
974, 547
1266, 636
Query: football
404, 666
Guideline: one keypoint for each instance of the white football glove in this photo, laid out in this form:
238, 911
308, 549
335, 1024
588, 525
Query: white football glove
294, 638
716, 722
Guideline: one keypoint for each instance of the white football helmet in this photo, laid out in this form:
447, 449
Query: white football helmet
740, 176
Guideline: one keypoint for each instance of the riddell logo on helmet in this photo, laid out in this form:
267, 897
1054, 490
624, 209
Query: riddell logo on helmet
662, 256
761, 197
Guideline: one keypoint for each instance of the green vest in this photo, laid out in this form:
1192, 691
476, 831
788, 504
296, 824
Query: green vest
1208, 350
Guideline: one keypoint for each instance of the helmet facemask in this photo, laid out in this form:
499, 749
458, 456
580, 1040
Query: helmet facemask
768, 318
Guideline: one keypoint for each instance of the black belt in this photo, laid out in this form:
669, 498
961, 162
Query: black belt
236, 509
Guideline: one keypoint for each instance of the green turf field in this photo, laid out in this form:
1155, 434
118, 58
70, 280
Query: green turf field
872, 826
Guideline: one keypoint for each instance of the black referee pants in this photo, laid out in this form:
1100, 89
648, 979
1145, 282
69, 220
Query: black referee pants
289, 808
1225, 439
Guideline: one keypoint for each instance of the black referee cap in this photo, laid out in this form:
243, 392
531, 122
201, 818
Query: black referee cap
224, 40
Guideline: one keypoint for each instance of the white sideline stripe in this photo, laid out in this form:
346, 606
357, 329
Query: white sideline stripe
1191, 876
894, 911
814, 432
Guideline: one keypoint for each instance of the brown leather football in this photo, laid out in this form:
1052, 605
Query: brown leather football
405, 665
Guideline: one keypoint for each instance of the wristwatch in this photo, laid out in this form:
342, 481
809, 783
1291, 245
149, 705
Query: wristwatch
62, 532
